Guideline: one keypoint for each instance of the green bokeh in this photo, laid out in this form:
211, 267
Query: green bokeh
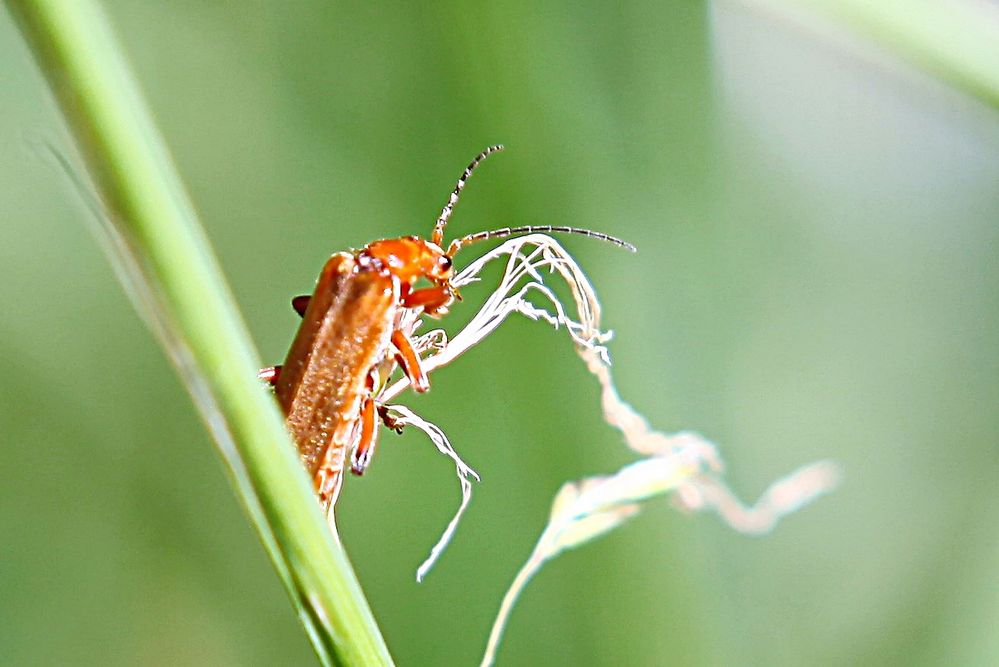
816, 278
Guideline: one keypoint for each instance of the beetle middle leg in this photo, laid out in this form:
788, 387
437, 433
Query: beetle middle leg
410, 361
327, 482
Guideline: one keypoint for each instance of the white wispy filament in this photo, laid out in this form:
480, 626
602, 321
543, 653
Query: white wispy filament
527, 258
682, 464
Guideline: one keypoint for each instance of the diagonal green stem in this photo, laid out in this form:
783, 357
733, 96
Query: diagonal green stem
954, 41
170, 269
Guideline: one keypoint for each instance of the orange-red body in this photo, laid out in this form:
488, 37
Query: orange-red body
348, 336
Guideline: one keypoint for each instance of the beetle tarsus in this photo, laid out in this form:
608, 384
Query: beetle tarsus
390, 422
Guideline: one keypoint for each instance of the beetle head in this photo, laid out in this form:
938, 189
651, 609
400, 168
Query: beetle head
410, 258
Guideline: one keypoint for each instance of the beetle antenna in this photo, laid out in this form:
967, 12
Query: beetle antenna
438, 236
458, 244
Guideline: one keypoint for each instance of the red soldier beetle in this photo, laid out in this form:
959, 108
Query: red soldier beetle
350, 340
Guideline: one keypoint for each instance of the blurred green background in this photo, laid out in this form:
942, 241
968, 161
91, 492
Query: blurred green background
816, 278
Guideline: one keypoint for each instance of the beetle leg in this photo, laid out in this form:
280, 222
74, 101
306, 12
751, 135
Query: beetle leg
329, 477
269, 374
387, 419
410, 361
328, 482
365, 448
434, 300
300, 303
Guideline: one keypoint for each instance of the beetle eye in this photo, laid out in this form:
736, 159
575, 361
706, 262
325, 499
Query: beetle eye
444, 262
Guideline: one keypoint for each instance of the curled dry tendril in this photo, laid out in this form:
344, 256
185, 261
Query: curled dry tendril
682, 464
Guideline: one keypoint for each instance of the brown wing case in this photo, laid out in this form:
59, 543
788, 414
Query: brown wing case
345, 331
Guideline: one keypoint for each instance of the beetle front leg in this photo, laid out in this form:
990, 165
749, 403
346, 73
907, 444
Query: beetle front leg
433, 300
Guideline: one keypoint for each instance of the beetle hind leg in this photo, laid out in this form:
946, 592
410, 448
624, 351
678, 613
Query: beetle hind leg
327, 482
367, 440
300, 303
269, 375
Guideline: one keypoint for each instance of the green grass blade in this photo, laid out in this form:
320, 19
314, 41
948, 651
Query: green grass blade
954, 41
170, 267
